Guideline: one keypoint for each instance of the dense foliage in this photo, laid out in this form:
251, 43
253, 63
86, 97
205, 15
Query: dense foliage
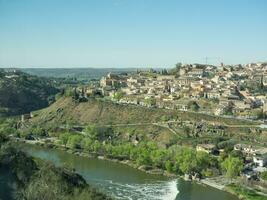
232, 166
175, 159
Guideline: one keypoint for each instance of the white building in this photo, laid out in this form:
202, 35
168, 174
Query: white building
260, 157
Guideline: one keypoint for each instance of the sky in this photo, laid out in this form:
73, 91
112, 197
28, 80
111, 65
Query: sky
131, 33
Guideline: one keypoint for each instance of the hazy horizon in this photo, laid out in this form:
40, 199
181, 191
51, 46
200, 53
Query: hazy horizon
131, 34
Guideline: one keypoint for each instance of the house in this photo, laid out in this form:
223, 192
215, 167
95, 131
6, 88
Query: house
219, 110
246, 149
135, 81
113, 80
208, 148
196, 72
25, 117
260, 159
240, 106
212, 94
181, 106
185, 81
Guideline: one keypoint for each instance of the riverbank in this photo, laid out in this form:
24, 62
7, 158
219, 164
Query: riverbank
122, 181
245, 193
148, 170
221, 183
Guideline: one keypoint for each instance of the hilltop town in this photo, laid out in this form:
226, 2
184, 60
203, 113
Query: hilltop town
233, 90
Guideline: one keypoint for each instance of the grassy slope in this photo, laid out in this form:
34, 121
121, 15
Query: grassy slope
65, 111
100, 112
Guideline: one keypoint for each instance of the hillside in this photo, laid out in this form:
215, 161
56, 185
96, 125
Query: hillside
106, 112
22, 93
146, 123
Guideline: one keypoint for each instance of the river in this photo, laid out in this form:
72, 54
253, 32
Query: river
123, 182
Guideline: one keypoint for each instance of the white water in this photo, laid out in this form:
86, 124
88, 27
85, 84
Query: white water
161, 190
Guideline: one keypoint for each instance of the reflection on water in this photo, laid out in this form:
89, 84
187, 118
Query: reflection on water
124, 182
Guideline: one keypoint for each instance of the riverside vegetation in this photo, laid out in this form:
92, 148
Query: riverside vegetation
175, 159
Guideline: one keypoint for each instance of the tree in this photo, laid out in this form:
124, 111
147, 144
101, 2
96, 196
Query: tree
186, 159
7, 130
178, 66
150, 101
232, 166
118, 95
91, 131
3, 138
203, 160
227, 145
74, 141
237, 154
261, 115
144, 157
38, 131
193, 106
96, 146
187, 130
87, 144
64, 137
264, 175
168, 166
158, 158
98, 133
228, 110
164, 72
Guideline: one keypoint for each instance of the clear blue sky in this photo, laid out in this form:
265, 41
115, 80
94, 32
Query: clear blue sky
131, 33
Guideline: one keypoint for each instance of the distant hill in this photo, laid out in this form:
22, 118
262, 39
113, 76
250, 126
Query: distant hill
22, 93
79, 73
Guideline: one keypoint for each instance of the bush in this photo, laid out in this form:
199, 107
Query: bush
74, 141
232, 166
264, 176
168, 166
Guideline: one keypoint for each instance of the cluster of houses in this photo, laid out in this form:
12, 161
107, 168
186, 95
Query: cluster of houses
235, 90
255, 158
258, 155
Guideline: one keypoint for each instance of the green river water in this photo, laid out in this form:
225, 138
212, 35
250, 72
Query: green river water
124, 182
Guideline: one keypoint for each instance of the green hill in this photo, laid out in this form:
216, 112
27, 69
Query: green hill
21, 93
